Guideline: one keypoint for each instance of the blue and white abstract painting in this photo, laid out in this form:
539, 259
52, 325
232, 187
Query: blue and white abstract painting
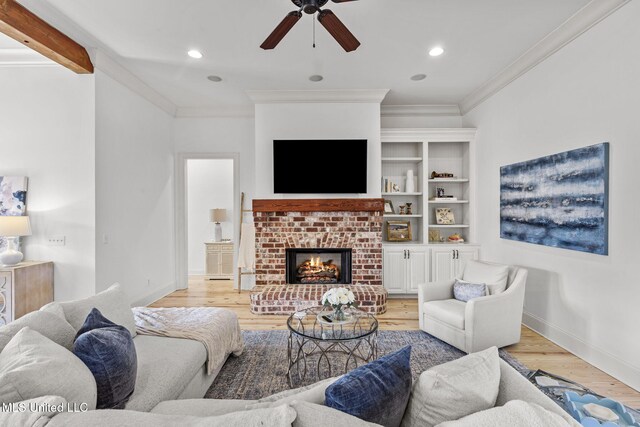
559, 200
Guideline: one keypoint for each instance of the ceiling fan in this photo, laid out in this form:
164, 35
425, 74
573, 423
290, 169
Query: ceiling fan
327, 18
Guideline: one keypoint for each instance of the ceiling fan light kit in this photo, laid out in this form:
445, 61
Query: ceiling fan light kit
327, 18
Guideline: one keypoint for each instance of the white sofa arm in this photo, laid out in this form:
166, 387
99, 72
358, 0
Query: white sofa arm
494, 319
433, 291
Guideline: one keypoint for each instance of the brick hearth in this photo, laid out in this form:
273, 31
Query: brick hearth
355, 224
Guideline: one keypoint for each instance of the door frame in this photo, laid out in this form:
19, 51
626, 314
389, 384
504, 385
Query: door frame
181, 204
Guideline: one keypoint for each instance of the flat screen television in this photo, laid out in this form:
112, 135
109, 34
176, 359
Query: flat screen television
320, 166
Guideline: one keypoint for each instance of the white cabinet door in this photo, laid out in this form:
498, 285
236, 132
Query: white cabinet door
394, 270
443, 264
418, 264
226, 263
213, 263
463, 255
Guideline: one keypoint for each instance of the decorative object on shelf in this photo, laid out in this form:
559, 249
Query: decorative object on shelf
389, 186
560, 200
395, 188
409, 211
410, 185
13, 227
399, 231
590, 410
436, 175
456, 238
13, 198
339, 299
434, 236
218, 216
444, 216
439, 192
402, 208
388, 207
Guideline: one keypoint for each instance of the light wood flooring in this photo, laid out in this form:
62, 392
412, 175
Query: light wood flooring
534, 351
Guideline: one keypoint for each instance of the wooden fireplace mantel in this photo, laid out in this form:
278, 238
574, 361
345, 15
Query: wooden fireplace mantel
318, 205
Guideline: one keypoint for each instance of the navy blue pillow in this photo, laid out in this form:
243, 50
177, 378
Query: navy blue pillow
377, 392
108, 351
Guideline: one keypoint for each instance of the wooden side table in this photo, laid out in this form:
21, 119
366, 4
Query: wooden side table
219, 262
24, 288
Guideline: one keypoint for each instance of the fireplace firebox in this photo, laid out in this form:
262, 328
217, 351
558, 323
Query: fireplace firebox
318, 266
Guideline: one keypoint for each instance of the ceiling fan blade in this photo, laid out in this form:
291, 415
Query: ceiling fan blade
337, 29
281, 30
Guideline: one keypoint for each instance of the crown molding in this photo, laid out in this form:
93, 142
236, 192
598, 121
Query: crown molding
18, 57
419, 110
239, 111
592, 13
113, 69
317, 96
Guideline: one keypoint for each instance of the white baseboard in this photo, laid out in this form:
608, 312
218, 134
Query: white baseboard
598, 357
154, 296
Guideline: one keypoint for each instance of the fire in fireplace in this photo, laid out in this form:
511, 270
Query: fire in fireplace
318, 266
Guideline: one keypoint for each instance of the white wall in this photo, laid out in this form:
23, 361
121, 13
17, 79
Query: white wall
585, 94
209, 186
47, 134
134, 193
315, 121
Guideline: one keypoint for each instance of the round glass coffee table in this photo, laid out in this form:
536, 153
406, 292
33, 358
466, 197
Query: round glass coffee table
329, 348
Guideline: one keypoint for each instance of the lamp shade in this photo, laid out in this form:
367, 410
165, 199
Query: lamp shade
14, 226
218, 215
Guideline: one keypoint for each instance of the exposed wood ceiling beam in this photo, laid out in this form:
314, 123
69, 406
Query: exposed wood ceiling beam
22, 25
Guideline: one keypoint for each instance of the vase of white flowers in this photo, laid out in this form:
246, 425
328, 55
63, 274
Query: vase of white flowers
339, 299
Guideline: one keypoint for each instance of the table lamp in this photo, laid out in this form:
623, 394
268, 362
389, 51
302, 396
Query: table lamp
13, 227
218, 216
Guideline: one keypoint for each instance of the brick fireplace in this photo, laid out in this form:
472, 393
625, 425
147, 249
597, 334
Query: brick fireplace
317, 226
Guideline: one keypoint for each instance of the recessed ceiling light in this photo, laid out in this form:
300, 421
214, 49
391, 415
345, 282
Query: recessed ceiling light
215, 78
316, 78
436, 51
196, 54
418, 77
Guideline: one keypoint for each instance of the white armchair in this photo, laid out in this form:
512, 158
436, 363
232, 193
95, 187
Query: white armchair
480, 323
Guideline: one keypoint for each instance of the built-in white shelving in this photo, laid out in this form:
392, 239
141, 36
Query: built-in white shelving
448, 225
403, 216
402, 159
448, 180
448, 202
401, 194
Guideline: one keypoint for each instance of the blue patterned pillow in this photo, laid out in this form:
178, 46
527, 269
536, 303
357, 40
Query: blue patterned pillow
464, 291
108, 351
377, 392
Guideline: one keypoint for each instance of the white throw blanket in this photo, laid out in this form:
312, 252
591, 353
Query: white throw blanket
247, 252
218, 329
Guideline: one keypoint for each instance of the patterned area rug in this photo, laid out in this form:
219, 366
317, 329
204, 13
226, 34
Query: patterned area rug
261, 370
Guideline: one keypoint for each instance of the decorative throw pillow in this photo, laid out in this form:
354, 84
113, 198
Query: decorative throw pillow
455, 389
32, 365
377, 392
464, 291
108, 351
514, 413
112, 302
494, 275
51, 326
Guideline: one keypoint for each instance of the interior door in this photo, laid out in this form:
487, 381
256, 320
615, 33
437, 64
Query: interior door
394, 270
418, 264
443, 265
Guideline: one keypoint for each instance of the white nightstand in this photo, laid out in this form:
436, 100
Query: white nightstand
219, 260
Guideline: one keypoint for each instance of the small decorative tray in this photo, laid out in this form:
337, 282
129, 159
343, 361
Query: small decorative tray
575, 406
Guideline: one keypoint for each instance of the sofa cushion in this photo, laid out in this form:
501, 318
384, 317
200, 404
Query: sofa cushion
49, 325
494, 275
455, 389
112, 303
165, 368
32, 365
377, 392
514, 413
313, 415
36, 412
108, 351
282, 416
465, 291
449, 311
314, 393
